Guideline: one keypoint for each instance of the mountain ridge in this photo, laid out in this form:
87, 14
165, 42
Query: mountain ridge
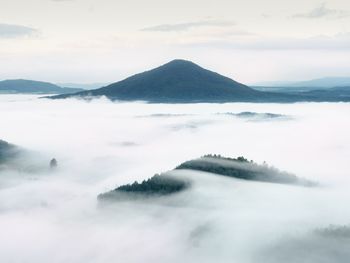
33, 86
182, 81
178, 80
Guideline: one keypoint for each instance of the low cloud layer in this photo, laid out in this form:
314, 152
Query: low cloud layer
54, 216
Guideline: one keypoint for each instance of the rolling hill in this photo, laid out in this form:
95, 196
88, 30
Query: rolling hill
33, 87
303, 86
168, 183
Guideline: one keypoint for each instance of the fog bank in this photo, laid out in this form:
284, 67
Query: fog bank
53, 216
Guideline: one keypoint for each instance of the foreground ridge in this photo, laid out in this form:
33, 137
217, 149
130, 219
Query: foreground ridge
239, 168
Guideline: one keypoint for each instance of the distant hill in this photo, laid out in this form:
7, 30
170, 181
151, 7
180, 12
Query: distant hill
337, 92
83, 86
181, 81
329, 82
33, 87
300, 86
176, 81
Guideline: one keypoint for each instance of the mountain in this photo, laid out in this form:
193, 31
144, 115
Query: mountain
31, 86
328, 82
300, 86
181, 81
337, 93
176, 81
83, 86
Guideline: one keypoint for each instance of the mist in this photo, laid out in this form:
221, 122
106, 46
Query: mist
54, 216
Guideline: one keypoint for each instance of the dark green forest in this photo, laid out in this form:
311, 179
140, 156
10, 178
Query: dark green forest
241, 168
159, 184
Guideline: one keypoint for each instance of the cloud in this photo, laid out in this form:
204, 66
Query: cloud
15, 31
323, 11
54, 217
187, 26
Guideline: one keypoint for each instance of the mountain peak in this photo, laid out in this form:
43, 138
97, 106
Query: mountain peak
176, 81
180, 62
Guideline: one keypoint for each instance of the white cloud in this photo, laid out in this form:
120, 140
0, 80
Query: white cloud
189, 25
15, 31
323, 11
54, 217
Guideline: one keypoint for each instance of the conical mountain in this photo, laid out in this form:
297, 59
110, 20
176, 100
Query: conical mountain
176, 81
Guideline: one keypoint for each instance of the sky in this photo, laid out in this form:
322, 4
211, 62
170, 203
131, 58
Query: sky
88, 41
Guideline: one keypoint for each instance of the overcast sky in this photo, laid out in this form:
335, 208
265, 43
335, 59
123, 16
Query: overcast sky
106, 40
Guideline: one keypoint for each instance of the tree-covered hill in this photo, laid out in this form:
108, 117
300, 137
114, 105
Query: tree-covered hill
33, 87
182, 81
158, 185
239, 168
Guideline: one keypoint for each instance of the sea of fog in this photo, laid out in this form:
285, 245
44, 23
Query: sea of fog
54, 216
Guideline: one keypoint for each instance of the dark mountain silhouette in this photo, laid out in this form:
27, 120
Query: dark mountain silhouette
31, 86
176, 81
181, 81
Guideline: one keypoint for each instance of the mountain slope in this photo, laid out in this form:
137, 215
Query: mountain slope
31, 86
169, 183
176, 81
301, 86
181, 81
328, 82
83, 86
7, 152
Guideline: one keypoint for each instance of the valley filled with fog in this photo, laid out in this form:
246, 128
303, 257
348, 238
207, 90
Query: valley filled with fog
53, 215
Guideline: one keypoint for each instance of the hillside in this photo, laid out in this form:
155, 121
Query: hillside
33, 87
320, 83
176, 81
8, 152
239, 168
181, 81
